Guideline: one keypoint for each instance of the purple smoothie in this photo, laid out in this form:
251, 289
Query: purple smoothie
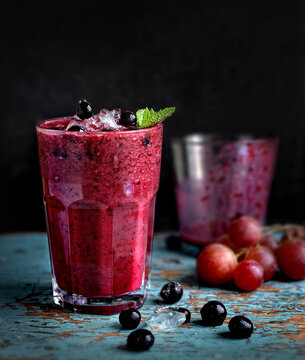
99, 193
226, 179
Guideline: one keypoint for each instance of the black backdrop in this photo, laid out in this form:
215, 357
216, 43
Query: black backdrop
229, 65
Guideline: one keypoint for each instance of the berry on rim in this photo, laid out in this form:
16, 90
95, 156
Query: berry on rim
128, 118
84, 109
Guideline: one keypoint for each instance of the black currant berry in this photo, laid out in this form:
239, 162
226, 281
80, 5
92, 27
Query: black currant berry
140, 340
130, 318
84, 109
76, 128
187, 314
128, 118
213, 313
171, 292
240, 327
173, 242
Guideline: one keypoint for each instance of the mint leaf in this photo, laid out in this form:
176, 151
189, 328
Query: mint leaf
148, 118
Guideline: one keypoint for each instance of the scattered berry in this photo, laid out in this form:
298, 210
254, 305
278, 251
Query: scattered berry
266, 258
140, 339
240, 327
128, 118
171, 292
173, 242
245, 231
213, 313
187, 314
216, 263
76, 128
270, 242
291, 258
130, 318
84, 110
248, 275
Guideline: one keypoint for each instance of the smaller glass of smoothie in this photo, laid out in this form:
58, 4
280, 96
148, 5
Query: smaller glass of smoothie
100, 176
218, 179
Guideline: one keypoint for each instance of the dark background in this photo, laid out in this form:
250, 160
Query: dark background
226, 66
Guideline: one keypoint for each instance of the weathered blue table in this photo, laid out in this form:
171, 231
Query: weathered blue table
31, 327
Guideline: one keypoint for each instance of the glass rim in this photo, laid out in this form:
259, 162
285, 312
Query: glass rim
203, 138
86, 133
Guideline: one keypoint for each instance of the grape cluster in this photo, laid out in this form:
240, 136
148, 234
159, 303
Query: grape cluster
248, 258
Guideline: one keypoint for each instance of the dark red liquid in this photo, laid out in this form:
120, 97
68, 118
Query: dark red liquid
99, 193
234, 181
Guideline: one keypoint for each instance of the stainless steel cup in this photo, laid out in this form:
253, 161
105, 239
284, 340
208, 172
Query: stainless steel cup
218, 178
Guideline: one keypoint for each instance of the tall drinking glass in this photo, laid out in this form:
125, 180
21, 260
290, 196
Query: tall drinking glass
218, 179
99, 192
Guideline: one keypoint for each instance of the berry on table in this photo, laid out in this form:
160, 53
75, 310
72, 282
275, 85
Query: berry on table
216, 264
270, 242
140, 339
249, 275
130, 318
240, 327
245, 231
266, 258
171, 292
291, 258
187, 314
173, 242
225, 240
213, 313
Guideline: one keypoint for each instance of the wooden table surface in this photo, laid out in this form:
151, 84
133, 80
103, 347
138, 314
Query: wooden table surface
31, 327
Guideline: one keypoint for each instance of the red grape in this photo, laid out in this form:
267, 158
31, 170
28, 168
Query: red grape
225, 240
248, 275
245, 231
266, 258
216, 263
270, 242
291, 258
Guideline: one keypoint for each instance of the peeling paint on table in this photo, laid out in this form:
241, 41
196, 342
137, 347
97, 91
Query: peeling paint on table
32, 327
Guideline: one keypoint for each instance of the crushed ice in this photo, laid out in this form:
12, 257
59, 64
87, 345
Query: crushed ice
165, 319
102, 121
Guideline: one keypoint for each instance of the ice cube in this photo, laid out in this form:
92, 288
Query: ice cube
75, 121
104, 120
165, 320
116, 113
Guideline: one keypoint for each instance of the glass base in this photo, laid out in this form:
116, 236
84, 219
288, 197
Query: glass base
98, 305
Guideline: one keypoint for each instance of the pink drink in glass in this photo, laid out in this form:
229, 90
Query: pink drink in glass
99, 192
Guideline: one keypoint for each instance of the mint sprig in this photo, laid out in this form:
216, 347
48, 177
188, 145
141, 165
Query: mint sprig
148, 118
